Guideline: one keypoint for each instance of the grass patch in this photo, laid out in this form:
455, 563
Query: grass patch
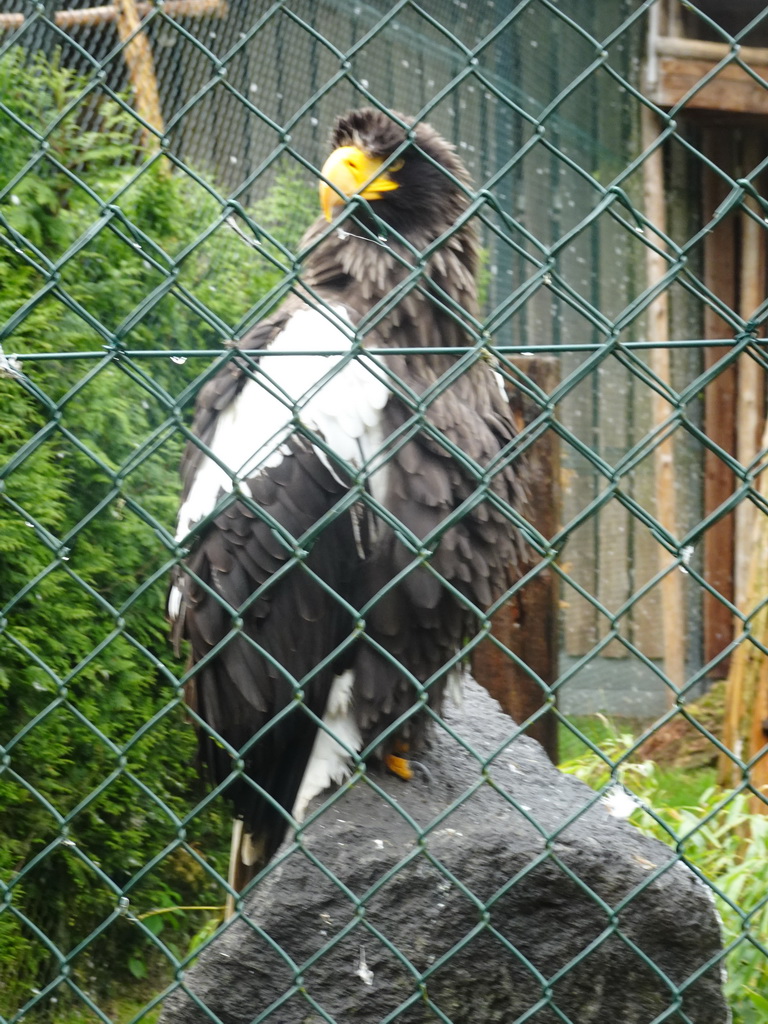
119, 1011
598, 730
674, 787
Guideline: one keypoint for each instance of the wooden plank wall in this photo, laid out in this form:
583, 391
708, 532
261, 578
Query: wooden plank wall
527, 625
735, 270
612, 555
732, 267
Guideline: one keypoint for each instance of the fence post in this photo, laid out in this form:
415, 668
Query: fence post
527, 623
141, 68
664, 452
746, 692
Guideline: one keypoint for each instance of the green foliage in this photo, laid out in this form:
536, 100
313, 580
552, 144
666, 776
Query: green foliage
100, 760
719, 836
40, 130
672, 787
727, 842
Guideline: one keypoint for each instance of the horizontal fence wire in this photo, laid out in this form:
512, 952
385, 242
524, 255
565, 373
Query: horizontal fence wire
159, 165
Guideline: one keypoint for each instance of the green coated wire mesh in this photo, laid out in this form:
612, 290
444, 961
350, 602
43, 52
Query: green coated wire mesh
158, 165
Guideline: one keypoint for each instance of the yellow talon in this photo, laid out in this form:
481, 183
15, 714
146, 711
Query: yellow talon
399, 766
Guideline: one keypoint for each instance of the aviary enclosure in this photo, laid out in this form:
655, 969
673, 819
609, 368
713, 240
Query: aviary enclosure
158, 165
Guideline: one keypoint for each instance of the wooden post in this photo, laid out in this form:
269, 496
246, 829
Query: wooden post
750, 396
528, 624
746, 709
758, 734
105, 15
746, 694
141, 69
719, 400
658, 331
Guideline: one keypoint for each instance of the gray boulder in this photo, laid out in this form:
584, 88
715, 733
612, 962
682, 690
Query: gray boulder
471, 894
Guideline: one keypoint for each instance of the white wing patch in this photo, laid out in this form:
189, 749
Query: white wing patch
330, 760
297, 381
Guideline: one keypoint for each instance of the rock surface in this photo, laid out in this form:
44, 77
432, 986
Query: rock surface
524, 900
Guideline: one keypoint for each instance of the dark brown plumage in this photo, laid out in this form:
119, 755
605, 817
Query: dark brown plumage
360, 551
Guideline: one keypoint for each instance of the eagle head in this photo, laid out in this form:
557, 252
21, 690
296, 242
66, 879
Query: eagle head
411, 173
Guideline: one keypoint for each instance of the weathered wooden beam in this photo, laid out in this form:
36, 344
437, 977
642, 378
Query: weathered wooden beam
88, 16
141, 69
750, 403
732, 88
528, 623
700, 49
673, 607
720, 277
758, 737
746, 694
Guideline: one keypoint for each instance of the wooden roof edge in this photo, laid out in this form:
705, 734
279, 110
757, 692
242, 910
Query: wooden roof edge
701, 49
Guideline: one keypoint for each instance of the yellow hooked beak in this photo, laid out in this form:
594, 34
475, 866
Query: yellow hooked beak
350, 171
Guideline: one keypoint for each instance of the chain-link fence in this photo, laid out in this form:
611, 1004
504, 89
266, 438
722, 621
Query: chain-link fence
158, 166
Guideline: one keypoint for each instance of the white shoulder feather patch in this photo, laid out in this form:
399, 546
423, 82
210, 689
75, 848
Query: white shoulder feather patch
309, 373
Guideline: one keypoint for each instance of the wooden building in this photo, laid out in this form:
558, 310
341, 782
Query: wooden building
709, 71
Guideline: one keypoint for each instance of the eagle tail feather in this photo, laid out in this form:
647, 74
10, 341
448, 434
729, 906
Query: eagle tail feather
247, 856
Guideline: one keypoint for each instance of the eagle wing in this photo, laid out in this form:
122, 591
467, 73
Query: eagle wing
277, 537
452, 489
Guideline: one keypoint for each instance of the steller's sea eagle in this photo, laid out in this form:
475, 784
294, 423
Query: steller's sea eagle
351, 494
